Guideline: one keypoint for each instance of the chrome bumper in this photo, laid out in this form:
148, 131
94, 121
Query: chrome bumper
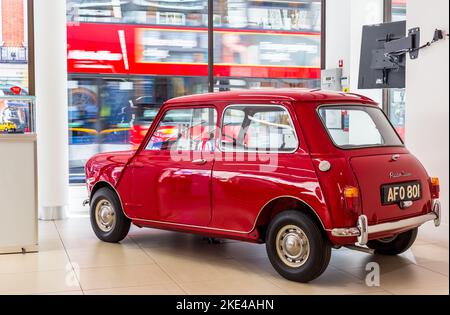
363, 229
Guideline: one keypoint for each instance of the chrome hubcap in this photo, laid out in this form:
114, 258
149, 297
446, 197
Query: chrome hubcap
105, 216
292, 246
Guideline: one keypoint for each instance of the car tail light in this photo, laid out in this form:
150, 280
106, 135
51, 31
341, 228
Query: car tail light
351, 197
435, 187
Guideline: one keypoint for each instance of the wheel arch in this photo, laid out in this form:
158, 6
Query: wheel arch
281, 204
104, 184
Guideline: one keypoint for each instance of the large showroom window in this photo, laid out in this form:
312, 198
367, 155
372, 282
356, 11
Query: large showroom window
267, 43
13, 47
125, 58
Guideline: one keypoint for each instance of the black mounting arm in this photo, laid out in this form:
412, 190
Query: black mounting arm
410, 44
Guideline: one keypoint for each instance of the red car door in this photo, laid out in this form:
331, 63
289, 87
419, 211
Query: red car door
261, 159
171, 178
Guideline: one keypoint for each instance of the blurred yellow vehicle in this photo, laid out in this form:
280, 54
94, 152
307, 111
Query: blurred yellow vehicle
8, 127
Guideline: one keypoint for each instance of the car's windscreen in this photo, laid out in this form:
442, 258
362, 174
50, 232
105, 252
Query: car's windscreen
352, 127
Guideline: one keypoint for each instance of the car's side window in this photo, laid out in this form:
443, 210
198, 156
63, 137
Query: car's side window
265, 128
186, 130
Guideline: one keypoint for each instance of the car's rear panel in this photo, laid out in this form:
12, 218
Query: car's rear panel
367, 168
373, 172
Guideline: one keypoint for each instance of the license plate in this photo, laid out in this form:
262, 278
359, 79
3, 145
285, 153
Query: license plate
396, 193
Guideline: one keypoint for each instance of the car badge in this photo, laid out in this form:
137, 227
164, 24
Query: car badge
399, 174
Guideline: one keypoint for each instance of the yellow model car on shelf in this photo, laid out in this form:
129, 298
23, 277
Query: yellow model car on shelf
7, 127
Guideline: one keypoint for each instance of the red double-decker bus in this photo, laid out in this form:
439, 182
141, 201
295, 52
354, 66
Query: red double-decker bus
125, 58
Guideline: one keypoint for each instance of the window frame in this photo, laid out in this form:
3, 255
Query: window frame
163, 115
324, 126
223, 150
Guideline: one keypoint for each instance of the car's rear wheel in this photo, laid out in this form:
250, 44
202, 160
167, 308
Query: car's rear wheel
296, 247
107, 218
394, 245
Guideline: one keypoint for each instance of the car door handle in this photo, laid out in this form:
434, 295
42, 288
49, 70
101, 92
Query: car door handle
199, 162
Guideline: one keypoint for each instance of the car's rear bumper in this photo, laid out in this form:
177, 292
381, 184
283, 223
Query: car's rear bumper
363, 230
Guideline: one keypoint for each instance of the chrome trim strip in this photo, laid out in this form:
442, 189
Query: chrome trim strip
188, 225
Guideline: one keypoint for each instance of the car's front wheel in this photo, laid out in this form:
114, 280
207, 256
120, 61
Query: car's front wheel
107, 218
296, 247
394, 245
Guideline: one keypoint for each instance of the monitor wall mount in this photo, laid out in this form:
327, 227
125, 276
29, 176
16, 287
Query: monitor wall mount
396, 48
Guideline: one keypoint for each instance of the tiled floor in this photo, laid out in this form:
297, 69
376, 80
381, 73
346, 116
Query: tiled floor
73, 261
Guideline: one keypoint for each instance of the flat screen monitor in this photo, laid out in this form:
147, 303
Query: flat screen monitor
377, 70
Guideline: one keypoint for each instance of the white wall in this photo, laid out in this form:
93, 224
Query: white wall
363, 13
338, 34
345, 19
427, 109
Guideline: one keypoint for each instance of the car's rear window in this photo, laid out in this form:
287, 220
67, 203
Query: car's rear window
352, 127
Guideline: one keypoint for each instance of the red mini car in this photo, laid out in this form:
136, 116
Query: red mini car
303, 171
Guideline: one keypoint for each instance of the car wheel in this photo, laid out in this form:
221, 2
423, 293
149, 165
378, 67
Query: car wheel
394, 245
296, 247
107, 218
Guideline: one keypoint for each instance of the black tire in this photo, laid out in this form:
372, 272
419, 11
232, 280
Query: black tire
401, 243
319, 247
119, 230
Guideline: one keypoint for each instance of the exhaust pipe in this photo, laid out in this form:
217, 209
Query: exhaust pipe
361, 249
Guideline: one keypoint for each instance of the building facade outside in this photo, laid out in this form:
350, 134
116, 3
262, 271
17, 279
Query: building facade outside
13, 46
14, 64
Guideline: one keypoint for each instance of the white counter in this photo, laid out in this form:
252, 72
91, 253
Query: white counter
18, 194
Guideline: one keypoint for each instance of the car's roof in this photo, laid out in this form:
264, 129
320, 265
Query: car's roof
274, 95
